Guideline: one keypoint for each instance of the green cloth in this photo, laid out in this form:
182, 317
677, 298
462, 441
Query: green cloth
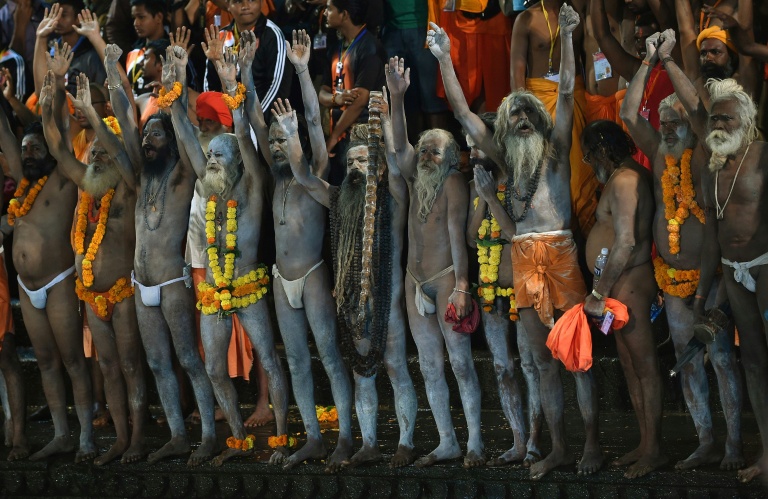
406, 14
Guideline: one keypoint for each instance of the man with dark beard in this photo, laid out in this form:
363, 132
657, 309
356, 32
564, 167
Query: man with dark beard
236, 283
383, 337
164, 185
437, 271
678, 161
104, 242
498, 303
546, 273
736, 232
41, 217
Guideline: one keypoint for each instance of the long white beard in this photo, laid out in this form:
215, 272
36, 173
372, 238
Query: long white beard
429, 180
724, 144
215, 181
97, 184
523, 154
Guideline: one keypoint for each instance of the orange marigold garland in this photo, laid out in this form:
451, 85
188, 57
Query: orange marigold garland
245, 444
82, 225
119, 291
113, 125
678, 195
235, 102
282, 441
167, 98
18, 209
680, 283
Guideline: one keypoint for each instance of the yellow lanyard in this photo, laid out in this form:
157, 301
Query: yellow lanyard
552, 40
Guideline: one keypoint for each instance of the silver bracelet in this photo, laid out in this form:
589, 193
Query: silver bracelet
462, 291
115, 86
598, 295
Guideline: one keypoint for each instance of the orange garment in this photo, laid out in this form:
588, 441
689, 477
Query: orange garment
88, 346
480, 54
33, 105
6, 316
240, 354
602, 107
150, 109
546, 273
584, 184
570, 341
81, 146
211, 9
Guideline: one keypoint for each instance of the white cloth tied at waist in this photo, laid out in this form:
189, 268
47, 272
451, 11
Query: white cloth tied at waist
741, 270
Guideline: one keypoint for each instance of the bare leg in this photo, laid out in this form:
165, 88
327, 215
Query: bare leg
11, 368
366, 407
535, 413
101, 417
396, 364
497, 337
262, 414
586, 391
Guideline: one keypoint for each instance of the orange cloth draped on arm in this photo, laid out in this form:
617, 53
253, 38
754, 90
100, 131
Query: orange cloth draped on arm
570, 341
583, 181
240, 354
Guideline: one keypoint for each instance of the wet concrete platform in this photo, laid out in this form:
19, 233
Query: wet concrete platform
253, 477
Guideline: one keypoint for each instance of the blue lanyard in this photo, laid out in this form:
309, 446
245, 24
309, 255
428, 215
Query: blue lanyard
79, 41
343, 56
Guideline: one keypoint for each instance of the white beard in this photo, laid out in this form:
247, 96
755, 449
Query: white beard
97, 184
429, 180
215, 181
724, 144
523, 155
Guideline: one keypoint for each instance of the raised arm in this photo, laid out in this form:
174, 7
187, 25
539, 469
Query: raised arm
24, 115
640, 129
299, 54
397, 186
121, 105
10, 148
624, 63
253, 109
59, 64
687, 29
740, 32
186, 136
398, 80
318, 188
563, 131
44, 30
440, 46
66, 161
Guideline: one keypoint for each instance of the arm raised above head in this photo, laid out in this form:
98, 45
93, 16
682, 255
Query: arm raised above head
66, 161
624, 63
440, 46
398, 80
563, 131
121, 105
253, 109
397, 186
640, 129
10, 148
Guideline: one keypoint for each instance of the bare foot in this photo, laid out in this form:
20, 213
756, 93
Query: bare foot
113, 453
340, 455
733, 460
261, 416
628, 458
552, 461
280, 455
86, 452
175, 447
748, 474
230, 454
705, 454
203, 453
591, 462
474, 459
193, 418
645, 465
313, 449
513, 455
102, 419
59, 445
135, 452
532, 456
19, 451
8, 429
403, 457
442, 453
366, 455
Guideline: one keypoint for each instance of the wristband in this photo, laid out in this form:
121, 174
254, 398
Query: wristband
697, 297
598, 295
646, 63
115, 86
302, 71
462, 291
667, 59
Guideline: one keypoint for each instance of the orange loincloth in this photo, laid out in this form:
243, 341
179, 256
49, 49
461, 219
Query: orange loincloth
601, 107
584, 184
546, 273
570, 341
88, 346
6, 316
480, 53
240, 354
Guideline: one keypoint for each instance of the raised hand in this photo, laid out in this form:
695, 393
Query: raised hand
49, 22
668, 41
6, 81
83, 99
285, 116
46, 93
227, 69
23, 13
181, 39
568, 19
484, 184
168, 77
247, 51
398, 78
178, 56
61, 59
729, 22
438, 42
213, 46
89, 24
112, 54
299, 51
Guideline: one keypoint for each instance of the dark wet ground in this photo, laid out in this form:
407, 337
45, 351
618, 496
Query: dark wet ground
252, 477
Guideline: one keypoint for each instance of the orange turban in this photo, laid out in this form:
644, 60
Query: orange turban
717, 33
211, 106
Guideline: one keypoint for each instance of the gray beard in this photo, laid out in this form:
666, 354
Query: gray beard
349, 210
724, 144
429, 181
523, 154
676, 151
282, 170
97, 184
216, 182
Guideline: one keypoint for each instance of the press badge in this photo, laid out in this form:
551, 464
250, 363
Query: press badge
602, 66
552, 76
605, 327
320, 41
645, 113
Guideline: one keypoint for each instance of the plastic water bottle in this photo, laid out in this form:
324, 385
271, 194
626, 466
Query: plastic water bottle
600, 262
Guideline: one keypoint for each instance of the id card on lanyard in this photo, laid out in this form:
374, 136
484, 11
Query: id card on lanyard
342, 56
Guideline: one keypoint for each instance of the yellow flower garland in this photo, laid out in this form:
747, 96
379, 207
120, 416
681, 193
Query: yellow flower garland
678, 194
119, 291
282, 441
225, 296
167, 98
98, 235
680, 283
489, 247
245, 444
235, 102
15, 207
